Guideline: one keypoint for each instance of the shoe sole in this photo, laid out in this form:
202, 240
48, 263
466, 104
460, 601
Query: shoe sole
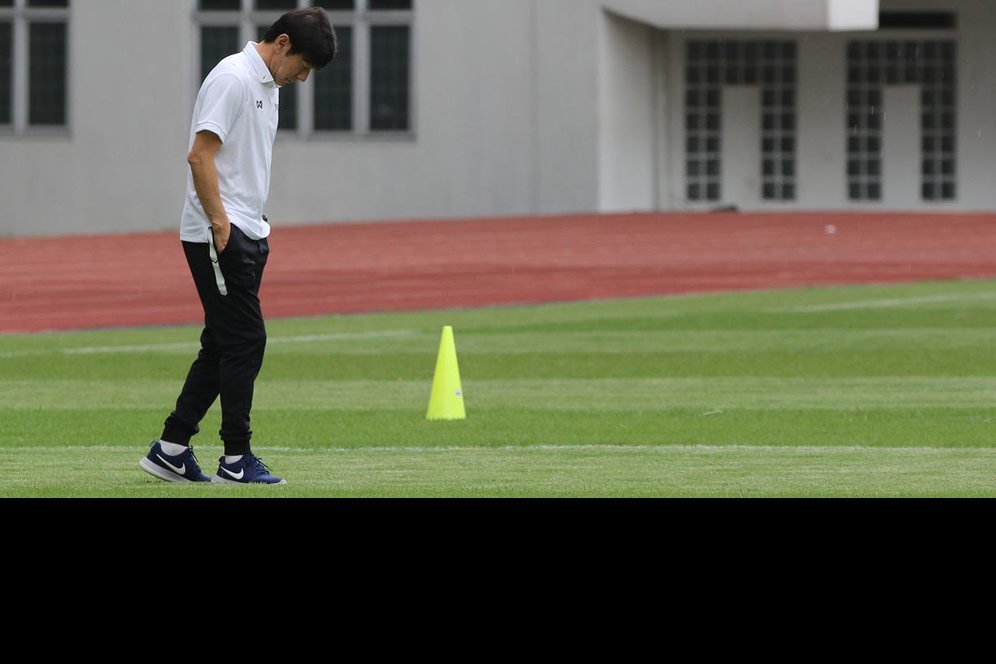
218, 479
163, 474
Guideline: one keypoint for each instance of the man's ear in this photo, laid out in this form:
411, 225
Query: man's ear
283, 43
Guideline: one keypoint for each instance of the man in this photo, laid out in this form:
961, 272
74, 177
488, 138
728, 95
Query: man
224, 234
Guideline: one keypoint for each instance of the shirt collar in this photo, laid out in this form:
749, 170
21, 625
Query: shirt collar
259, 68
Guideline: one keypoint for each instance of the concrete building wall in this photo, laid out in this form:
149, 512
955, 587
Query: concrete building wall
520, 107
822, 151
754, 15
121, 165
566, 111
822, 107
628, 128
506, 122
741, 150
976, 100
471, 152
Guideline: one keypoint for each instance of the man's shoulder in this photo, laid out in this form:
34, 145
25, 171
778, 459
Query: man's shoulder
234, 65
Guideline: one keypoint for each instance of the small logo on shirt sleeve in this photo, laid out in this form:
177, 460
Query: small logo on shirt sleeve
259, 103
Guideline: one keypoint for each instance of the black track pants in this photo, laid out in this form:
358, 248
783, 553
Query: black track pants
232, 343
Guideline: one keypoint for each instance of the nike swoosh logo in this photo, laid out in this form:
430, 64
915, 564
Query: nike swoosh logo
181, 470
240, 475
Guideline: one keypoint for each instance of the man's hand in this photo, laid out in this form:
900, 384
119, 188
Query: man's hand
221, 235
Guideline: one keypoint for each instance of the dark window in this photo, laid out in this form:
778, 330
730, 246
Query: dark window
334, 88
47, 73
389, 78
275, 5
217, 43
922, 63
383, 73
770, 63
221, 5
390, 4
917, 21
6, 94
48, 3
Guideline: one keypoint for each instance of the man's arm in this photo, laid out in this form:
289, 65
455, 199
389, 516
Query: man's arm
201, 160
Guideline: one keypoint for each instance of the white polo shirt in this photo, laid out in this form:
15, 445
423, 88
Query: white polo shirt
239, 102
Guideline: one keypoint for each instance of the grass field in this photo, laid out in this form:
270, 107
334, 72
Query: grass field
858, 391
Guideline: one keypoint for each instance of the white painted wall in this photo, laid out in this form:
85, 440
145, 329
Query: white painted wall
627, 177
754, 15
472, 152
741, 146
977, 103
565, 95
121, 167
852, 15
522, 106
901, 147
822, 108
508, 123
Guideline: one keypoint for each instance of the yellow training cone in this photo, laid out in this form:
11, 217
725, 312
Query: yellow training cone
446, 402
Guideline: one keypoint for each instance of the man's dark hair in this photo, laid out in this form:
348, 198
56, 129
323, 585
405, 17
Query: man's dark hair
311, 34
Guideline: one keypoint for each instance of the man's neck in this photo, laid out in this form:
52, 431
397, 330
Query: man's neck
266, 52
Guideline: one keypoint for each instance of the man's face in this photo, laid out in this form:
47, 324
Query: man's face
289, 69
292, 69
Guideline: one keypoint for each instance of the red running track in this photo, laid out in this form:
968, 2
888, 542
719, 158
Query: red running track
84, 282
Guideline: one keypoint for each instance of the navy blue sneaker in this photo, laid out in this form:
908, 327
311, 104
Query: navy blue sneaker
250, 469
182, 468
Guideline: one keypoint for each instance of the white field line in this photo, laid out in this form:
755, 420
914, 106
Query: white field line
190, 345
882, 304
270, 341
664, 449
